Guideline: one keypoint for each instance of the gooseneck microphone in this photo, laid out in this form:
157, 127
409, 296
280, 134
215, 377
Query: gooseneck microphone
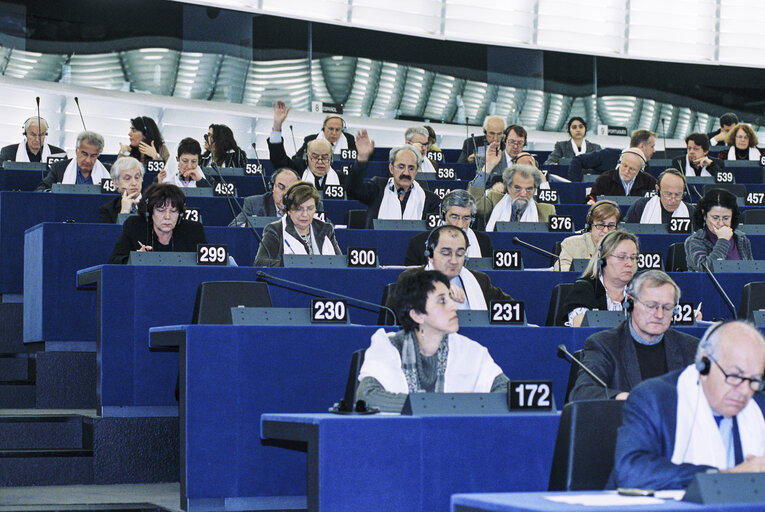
77, 102
294, 146
324, 293
262, 169
39, 133
562, 353
720, 290
539, 250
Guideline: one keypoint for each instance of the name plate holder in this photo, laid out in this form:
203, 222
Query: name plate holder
521, 227
597, 318
726, 488
24, 166
400, 225
198, 192
742, 266
454, 404
259, 222
270, 316
173, 259
75, 188
316, 261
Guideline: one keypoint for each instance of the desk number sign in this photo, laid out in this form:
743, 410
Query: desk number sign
529, 394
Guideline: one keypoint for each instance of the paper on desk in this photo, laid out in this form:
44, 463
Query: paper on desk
604, 500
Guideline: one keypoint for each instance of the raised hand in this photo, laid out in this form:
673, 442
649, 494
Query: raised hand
364, 146
281, 110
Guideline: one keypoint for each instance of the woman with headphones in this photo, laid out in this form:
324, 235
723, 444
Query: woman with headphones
602, 218
576, 145
297, 232
146, 143
601, 286
159, 225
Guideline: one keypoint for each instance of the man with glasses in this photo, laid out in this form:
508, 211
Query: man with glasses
606, 159
457, 209
517, 204
33, 148
418, 137
628, 179
84, 168
707, 417
493, 132
642, 346
667, 203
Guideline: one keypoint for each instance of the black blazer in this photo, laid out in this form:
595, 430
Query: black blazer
9, 152
679, 164
280, 159
110, 211
609, 184
611, 355
490, 292
55, 175
186, 235
469, 147
586, 293
415, 250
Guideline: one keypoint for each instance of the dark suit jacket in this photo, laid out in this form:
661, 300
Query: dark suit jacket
586, 293
258, 206
609, 184
55, 175
371, 193
186, 235
563, 149
611, 355
110, 211
302, 150
679, 164
9, 152
597, 162
468, 147
415, 251
298, 162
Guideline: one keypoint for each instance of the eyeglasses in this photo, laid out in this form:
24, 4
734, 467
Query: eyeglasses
604, 227
456, 218
319, 158
515, 143
654, 308
624, 257
670, 195
736, 380
517, 189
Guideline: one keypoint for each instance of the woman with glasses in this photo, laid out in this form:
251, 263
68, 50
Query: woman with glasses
159, 225
743, 144
576, 145
602, 285
298, 232
717, 239
602, 218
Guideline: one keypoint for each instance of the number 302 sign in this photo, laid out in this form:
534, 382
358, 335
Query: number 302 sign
529, 394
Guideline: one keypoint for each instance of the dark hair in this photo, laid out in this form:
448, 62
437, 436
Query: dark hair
189, 146
159, 194
298, 193
281, 170
223, 141
571, 121
412, 294
520, 130
435, 235
150, 131
728, 119
716, 197
640, 136
431, 133
700, 139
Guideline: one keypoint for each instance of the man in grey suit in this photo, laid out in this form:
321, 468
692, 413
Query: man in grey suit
270, 203
641, 347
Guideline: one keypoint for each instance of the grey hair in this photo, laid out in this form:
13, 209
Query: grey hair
92, 139
652, 279
322, 142
33, 120
460, 198
526, 171
406, 147
487, 119
124, 163
415, 130
710, 342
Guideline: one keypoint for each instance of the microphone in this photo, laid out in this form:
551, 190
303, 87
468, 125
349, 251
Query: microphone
294, 146
475, 161
262, 169
324, 293
724, 295
39, 133
664, 136
467, 122
77, 102
562, 353
539, 250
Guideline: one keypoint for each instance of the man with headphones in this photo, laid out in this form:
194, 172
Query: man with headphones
628, 179
446, 249
33, 148
493, 131
332, 131
270, 203
667, 203
606, 159
642, 346
707, 417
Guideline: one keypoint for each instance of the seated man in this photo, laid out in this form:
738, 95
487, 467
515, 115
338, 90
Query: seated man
727, 121
419, 137
493, 131
270, 203
127, 176
445, 248
696, 162
628, 179
332, 131
397, 197
84, 168
516, 204
641, 347
427, 355
667, 203
33, 148
457, 209
607, 159
705, 418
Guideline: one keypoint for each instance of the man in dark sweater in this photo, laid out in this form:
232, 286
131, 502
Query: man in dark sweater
641, 347
667, 203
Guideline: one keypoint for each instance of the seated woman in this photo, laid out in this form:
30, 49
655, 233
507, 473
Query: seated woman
184, 170
602, 218
297, 232
602, 284
159, 225
146, 143
127, 176
427, 355
576, 145
224, 151
718, 238
743, 144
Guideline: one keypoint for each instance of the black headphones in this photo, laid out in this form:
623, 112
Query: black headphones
332, 116
632, 151
591, 212
33, 118
704, 364
430, 242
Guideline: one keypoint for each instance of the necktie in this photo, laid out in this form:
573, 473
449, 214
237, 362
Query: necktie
726, 432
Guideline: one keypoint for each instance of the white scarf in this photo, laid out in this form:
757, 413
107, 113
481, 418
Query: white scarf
697, 436
504, 209
294, 246
474, 249
754, 154
690, 171
98, 173
390, 207
652, 211
472, 289
330, 179
337, 147
173, 176
22, 156
427, 166
577, 151
469, 368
